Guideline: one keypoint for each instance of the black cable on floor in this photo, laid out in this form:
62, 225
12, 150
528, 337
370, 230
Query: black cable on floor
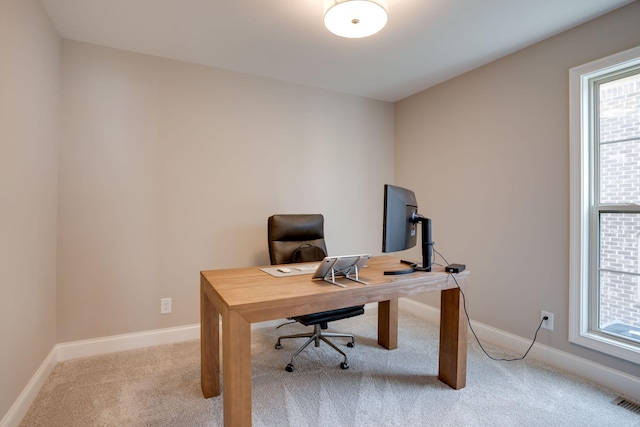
464, 305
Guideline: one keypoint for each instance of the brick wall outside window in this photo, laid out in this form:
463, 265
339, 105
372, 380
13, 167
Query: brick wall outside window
620, 183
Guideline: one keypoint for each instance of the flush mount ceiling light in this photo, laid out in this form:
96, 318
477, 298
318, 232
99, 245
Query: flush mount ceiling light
355, 18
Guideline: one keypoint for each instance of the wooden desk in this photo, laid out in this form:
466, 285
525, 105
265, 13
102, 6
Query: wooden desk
247, 295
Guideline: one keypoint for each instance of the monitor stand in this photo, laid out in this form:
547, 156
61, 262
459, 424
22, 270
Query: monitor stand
427, 250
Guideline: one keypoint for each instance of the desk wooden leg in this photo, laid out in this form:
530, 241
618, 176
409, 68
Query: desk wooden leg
236, 368
209, 344
388, 324
453, 340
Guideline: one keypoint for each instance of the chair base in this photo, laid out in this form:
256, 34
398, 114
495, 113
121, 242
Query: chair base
316, 336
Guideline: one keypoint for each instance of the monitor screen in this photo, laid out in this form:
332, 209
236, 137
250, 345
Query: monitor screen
399, 222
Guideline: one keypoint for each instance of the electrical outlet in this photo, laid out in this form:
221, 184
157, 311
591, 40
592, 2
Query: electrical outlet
547, 324
165, 306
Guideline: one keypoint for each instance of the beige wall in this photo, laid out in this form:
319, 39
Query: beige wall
487, 154
169, 168
29, 121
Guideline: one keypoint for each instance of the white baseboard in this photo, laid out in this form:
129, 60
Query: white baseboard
114, 343
20, 407
619, 382
419, 309
614, 380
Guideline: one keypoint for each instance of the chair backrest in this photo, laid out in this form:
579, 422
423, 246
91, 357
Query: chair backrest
288, 232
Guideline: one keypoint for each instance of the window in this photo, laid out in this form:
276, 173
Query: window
605, 205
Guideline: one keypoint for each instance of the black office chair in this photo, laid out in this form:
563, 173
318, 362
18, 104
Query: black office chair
300, 238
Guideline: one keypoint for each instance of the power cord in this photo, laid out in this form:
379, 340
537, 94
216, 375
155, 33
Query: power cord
464, 305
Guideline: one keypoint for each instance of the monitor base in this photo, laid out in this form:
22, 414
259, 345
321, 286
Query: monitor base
413, 268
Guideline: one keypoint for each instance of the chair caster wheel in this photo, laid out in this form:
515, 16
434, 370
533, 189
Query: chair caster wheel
278, 346
344, 365
350, 344
289, 368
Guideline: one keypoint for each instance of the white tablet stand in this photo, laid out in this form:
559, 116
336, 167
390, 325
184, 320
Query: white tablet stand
347, 265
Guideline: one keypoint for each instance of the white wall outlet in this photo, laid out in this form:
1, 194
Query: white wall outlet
165, 306
547, 324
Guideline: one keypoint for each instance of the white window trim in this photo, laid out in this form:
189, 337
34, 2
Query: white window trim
580, 168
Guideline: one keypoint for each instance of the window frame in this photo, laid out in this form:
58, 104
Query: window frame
583, 263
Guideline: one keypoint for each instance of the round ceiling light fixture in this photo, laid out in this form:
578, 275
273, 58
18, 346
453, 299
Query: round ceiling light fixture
355, 18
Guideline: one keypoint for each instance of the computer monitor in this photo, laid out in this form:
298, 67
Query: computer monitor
399, 226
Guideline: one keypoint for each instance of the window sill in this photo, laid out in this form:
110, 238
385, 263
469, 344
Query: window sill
607, 345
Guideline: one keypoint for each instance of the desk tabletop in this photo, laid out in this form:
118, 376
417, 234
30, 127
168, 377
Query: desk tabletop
258, 296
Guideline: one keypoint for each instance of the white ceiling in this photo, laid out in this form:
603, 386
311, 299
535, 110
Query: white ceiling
424, 43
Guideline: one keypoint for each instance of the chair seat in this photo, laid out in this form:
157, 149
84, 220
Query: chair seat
330, 316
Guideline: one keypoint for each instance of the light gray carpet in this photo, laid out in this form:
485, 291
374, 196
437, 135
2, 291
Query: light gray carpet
160, 386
